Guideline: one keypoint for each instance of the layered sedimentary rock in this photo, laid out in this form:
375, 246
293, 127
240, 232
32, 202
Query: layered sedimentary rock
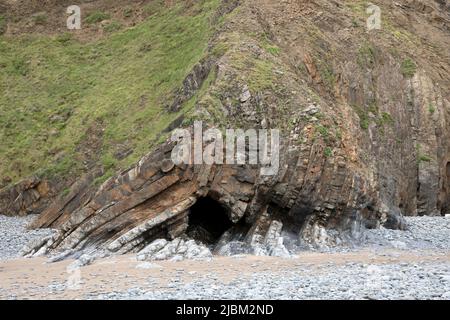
29, 196
365, 122
156, 198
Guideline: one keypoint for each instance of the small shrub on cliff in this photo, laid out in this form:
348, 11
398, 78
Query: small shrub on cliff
363, 117
40, 19
327, 74
100, 180
113, 26
64, 38
96, 17
424, 158
153, 7
387, 118
273, 50
421, 157
65, 192
2, 24
408, 68
323, 131
108, 161
431, 109
127, 12
366, 56
364, 123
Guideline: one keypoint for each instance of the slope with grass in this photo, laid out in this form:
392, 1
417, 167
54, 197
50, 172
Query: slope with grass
68, 105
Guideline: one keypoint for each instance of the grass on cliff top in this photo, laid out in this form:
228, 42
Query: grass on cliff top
61, 99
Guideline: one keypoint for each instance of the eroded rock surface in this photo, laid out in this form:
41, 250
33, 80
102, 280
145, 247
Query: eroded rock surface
365, 122
176, 250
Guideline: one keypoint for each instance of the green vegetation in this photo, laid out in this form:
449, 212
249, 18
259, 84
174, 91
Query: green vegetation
127, 12
2, 24
373, 108
366, 56
364, 123
65, 192
323, 131
327, 74
383, 119
358, 7
64, 38
424, 158
100, 180
40, 19
112, 26
259, 73
431, 109
338, 134
387, 118
421, 157
269, 46
153, 7
220, 49
363, 117
96, 17
408, 68
273, 50
328, 152
62, 100
18, 66
108, 161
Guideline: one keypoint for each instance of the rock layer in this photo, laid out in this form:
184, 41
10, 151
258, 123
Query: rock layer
365, 122
153, 200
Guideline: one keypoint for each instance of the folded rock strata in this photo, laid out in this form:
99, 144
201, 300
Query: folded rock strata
156, 198
364, 141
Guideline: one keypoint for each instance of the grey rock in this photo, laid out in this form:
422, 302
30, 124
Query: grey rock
84, 260
16, 240
246, 95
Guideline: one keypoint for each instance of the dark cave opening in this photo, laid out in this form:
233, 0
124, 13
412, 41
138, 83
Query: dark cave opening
208, 220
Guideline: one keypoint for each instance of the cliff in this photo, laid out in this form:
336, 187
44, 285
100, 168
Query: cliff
364, 117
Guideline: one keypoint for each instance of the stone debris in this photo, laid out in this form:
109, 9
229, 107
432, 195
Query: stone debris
14, 236
334, 281
175, 250
84, 260
246, 95
422, 233
60, 256
310, 110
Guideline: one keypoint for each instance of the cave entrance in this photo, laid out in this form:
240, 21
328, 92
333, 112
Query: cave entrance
208, 220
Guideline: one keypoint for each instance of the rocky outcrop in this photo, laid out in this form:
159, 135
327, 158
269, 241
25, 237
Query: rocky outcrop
29, 196
365, 123
156, 198
175, 250
191, 84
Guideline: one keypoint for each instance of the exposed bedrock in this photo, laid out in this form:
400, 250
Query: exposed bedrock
218, 205
365, 123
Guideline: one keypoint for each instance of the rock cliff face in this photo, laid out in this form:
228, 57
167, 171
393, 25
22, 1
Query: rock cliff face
365, 122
